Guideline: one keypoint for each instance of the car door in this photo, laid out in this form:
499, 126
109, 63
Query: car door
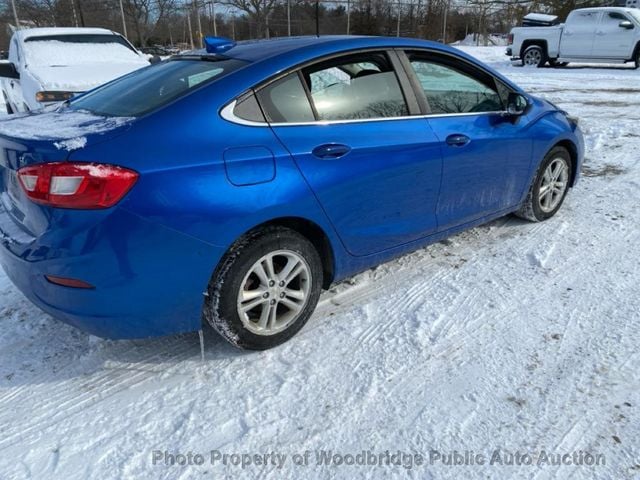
579, 33
374, 167
486, 155
615, 36
12, 86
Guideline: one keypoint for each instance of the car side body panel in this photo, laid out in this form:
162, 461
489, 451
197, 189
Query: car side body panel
206, 181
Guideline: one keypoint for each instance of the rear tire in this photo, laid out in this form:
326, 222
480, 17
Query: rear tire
549, 188
534, 56
636, 58
256, 300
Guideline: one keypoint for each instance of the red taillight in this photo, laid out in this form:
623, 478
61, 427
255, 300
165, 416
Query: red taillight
510, 39
76, 185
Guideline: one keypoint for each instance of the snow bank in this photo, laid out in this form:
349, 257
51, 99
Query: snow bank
475, 39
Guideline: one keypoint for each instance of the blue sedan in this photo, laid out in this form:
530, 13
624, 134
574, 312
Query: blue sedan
231, 185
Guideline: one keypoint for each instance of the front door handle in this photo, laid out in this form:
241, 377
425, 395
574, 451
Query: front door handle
457, 140
331, 150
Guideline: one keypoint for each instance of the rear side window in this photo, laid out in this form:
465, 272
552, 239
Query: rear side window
451, 90
247, 108
152, 87
355, 87
285, 101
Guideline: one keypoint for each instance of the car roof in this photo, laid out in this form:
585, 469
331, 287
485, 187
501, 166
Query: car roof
46, 32
267, 58
606, 9
258, 50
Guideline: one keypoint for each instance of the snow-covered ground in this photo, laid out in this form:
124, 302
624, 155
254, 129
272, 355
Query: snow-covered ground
513, 336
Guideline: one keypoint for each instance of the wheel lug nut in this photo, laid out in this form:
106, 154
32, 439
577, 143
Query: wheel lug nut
282, 295
272, 283
281, 284
265, 295
273, 302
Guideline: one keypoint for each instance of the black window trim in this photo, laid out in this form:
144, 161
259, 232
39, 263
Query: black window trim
407, 78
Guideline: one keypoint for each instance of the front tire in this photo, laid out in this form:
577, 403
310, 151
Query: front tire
549, 188
265, 289
636, 58
555, 64
534, 56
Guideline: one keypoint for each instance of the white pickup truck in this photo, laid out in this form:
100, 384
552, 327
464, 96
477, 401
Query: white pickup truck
591, 35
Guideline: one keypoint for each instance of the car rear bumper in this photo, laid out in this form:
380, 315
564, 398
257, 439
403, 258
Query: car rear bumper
149, 280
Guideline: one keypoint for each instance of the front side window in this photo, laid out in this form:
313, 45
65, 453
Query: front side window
151, 87
356, 87
449, 90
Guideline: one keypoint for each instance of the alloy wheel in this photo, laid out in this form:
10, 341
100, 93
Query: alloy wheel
274, 292
553, 186
533, 57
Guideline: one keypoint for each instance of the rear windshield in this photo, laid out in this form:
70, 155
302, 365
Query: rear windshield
149, 88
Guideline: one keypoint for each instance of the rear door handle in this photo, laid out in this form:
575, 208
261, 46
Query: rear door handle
457, 140
331, 150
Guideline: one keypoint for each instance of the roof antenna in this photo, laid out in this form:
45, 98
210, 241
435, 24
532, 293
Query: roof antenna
317, 18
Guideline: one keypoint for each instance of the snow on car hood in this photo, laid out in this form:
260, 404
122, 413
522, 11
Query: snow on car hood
80, 78
67, 129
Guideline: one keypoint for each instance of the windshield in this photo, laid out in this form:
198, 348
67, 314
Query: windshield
149, 88
635, 14
65, 50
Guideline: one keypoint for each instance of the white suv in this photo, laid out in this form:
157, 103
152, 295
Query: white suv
49, 65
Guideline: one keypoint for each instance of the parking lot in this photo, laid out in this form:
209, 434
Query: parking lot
513, 336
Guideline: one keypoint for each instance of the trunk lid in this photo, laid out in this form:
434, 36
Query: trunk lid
39, 138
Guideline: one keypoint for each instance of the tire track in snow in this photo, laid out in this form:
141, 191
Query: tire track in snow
65, 401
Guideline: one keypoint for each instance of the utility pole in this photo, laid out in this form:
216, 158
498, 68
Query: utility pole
213, 14
444, 23
75, 15
289, 18
348, 17
190, 29
124, 23
398, 25
15, 14
81, 14
233, 26
199, 24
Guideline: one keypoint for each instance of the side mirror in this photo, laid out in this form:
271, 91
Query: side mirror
155, 59
626, 24
517, 104
8, 70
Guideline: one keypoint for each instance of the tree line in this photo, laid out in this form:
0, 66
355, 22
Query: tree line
183, 22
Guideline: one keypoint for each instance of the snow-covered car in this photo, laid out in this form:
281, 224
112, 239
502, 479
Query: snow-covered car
594, 35
49, 65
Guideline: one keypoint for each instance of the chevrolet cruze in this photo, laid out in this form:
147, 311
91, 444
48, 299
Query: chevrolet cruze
231, 185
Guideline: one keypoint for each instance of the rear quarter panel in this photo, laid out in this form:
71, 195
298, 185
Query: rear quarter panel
549, 35
184, 183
